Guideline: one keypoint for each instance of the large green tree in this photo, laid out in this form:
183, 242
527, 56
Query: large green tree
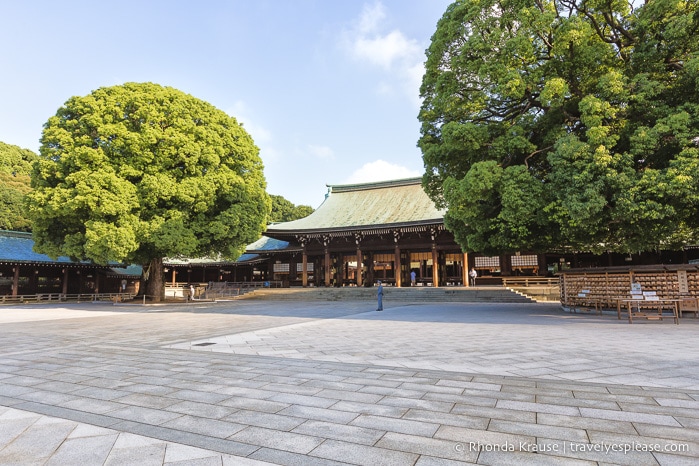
15, 171
139, 172
284, 210
564, 124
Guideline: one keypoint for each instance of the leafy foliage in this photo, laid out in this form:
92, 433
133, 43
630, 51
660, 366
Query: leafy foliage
564, 124
285, 211
15, 168
139, 172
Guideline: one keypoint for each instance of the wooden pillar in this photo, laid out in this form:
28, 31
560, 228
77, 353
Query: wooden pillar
97, 282
15, 280
435, 267
65, 281
304, 267
173, 276
327, 267
464, 271
398, 269
359, 276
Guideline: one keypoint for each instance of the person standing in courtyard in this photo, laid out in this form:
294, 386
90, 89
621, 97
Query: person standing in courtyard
473, 274
379, 294
412, 278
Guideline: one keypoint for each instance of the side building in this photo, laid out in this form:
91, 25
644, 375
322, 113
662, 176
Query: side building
25, 272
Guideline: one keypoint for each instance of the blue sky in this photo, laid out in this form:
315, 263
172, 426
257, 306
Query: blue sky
328, 89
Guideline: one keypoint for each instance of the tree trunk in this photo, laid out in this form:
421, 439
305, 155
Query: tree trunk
155, 286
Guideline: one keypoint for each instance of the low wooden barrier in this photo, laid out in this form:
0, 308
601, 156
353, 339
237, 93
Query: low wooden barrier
60, 297
524, 282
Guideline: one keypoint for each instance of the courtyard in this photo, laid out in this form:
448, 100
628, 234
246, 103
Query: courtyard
264, 382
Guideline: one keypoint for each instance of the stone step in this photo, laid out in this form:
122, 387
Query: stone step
418, 294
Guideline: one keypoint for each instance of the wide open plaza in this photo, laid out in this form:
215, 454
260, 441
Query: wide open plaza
262, 382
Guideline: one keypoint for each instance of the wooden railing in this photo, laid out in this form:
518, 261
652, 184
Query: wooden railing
60, 297
529, 281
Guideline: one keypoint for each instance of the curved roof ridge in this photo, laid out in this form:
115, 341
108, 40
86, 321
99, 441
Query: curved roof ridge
373, 184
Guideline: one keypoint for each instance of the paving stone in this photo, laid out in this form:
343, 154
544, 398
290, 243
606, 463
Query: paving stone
671, 433
362, 454
526, 458
368, 408
291, 459
349, 396
144, 415
677, 447
629, 416
46, 397
272, 421
319, 414
501, 395
36, 443
295, 389
431, 461
83, 450
209, 427
463, 399
668, 459
466, 436
148, 455
91, 405
539, 430
403, 426
98, 393
538, 407
577, 422
199, 396
254, 404
146, 400
248, 392
11, 428
495, 413
442, 406
290, 398
434, 447
295, 443
347, 433
578, 402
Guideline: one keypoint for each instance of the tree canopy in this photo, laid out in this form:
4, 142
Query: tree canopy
284, 210
15, 170
138, 172
564, 124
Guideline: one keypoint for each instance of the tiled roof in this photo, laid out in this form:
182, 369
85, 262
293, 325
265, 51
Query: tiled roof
131, 271
387, 203
17, 247
267, 244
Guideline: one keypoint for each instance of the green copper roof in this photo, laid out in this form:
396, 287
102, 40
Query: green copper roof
386, 203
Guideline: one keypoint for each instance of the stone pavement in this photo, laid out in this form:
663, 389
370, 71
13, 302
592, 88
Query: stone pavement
250, 383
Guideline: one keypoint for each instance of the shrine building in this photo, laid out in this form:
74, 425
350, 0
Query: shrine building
367, 232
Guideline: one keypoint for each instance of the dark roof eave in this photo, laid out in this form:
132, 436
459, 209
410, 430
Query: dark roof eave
348, 229
57, 264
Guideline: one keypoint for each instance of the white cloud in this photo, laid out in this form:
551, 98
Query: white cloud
321, 152
389, 51
380, 170
372, 15
400, 58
